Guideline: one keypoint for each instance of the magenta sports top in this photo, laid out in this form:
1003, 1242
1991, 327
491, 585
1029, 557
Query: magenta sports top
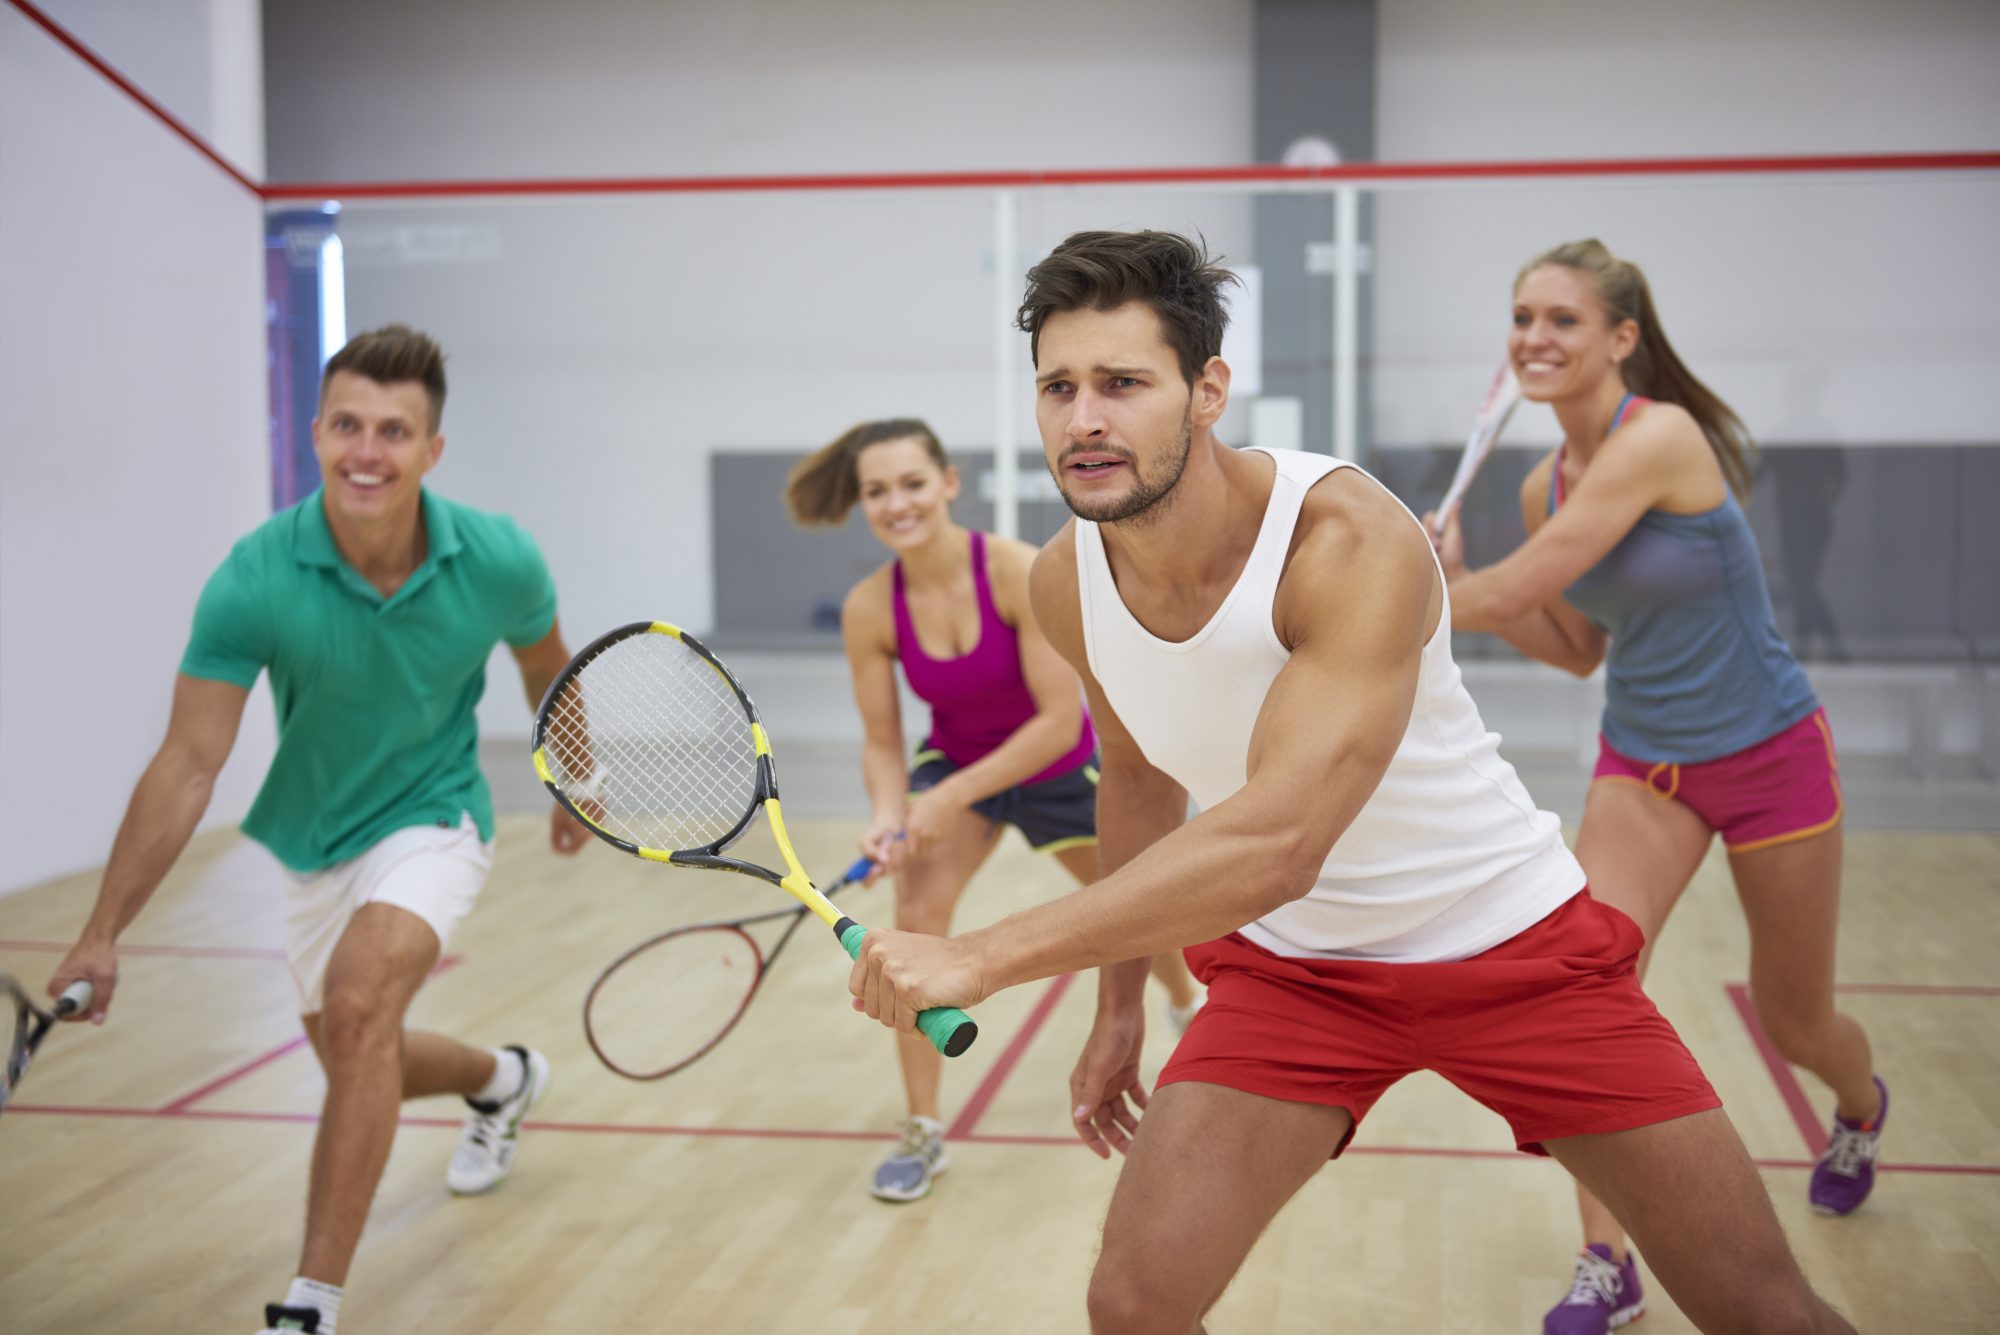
978, 699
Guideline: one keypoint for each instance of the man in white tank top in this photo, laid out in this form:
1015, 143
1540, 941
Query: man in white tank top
1368, 889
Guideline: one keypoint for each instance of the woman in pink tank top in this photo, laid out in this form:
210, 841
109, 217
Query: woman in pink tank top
1010, 742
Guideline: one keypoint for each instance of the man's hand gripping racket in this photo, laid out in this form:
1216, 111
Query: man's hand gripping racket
650, 741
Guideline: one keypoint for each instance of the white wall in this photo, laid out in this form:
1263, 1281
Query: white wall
600, 351
1859, 313
385, 90
132, 443
203, 60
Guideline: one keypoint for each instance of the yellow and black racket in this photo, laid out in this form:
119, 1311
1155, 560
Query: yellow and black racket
647, 739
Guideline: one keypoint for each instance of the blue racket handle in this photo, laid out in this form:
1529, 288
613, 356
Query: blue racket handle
862, 866
949, 1029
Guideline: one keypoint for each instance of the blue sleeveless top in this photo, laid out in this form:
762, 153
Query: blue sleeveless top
1696, 668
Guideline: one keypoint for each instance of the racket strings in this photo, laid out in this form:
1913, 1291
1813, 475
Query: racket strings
654, 744
671, 1000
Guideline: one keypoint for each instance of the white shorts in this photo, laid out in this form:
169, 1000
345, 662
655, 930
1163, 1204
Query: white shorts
436, 872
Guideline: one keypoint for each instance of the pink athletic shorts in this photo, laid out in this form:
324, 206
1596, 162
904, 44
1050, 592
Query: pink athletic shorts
1549, 1029
1784, 788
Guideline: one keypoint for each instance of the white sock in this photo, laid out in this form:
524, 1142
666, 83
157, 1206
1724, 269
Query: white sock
509, 1074
324, 1298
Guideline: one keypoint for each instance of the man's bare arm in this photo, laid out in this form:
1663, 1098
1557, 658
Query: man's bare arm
166, 806
1137, 805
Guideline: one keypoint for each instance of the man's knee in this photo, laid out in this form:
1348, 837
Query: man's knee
1787, 1308
355, 1025
1122, 1302
1133, 1290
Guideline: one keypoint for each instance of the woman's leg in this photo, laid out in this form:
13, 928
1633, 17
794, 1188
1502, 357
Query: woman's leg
1791, 899
1169, 966
1639, 852
927, 892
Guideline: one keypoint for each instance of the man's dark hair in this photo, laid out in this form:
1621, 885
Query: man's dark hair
389, 355
1102, 271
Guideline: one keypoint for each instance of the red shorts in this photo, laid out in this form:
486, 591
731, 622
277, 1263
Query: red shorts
1785, 787
1548, 1029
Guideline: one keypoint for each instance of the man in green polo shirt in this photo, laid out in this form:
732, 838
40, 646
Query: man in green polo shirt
374, 605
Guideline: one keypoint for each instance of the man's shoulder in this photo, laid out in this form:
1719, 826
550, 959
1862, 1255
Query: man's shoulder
1348, 507
1054, 567
266, 550
1352, 530
1052, 592
474, 524
489, 538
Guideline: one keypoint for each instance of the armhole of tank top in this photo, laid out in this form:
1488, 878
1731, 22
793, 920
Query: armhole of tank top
1302, 487
899, 614
1085, 607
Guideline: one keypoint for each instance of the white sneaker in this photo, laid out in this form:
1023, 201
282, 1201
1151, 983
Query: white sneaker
1180, 1017
485, 1153
907, 1173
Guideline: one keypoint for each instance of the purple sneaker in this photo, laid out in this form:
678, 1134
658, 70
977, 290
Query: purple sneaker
1604, 1297
1845, 1174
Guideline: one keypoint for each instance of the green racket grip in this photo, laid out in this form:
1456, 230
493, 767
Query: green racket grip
949, 1029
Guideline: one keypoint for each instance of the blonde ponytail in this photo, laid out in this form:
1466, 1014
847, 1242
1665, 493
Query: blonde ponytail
1654, 369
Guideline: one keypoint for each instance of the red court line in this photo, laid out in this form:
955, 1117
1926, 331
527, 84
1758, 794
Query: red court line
133, 91
1266, 173
982, 1097
1801, 1107
1357, 172
820, 1134
196, 1095
187, 1101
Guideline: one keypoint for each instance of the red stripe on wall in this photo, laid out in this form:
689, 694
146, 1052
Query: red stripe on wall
137, 94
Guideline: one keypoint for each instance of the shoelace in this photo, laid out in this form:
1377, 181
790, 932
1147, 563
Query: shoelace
1851, 1149
915, 1141
1596, 1278
483, 1131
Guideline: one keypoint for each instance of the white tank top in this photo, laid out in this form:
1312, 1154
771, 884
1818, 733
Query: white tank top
1448, 857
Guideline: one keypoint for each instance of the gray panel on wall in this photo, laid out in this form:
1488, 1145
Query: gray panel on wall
1979, 552
1315, 75
780, 586
1873, 553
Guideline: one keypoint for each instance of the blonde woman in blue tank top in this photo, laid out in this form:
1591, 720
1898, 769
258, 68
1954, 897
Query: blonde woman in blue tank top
1010, 742
1639, 557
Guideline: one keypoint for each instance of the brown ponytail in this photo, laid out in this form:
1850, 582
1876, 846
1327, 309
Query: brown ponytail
825, 484
1654, 369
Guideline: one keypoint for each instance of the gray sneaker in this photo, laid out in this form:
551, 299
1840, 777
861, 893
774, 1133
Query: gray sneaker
920, 1156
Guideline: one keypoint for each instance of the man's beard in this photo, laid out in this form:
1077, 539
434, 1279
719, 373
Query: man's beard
1143, 504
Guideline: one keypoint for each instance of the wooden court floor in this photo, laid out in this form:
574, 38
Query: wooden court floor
153, 1171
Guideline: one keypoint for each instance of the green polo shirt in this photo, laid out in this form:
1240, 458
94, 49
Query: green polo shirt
375, 696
